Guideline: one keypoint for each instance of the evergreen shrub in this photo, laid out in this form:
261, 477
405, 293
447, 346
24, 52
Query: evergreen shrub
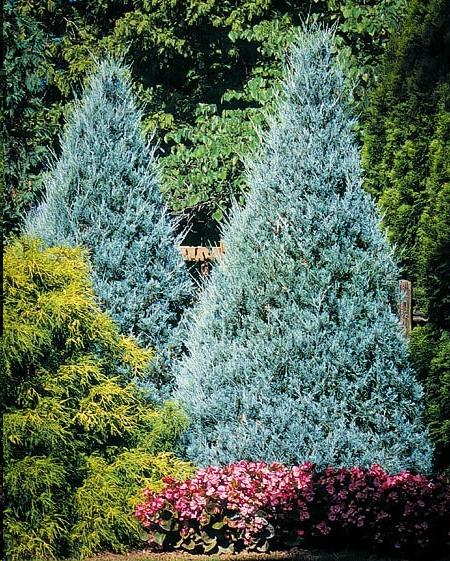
430, 353
80, 438
406, 155
407, 147
295, 351
104, 193
254, 506
28, 127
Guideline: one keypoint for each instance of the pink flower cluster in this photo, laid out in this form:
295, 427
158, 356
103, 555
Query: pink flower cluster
254, 506
404, 512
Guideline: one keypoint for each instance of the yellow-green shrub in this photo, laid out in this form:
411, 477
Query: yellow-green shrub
81, 438
111, 491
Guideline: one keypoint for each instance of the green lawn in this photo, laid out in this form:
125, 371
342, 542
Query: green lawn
297, 555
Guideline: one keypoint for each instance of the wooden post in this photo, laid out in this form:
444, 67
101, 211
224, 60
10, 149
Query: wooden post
405, 306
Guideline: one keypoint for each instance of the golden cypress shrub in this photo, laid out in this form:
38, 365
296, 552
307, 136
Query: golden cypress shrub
81, 438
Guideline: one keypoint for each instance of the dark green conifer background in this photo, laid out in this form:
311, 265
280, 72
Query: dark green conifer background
406, 156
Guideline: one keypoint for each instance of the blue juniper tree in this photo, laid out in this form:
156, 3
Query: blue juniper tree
295, 351
104, 193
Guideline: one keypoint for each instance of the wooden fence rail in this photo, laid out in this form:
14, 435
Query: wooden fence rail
201, 253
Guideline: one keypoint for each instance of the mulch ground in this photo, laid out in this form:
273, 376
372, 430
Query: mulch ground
293, 555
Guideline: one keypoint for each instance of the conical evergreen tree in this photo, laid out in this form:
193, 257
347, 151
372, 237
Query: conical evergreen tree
296, 352
104, 194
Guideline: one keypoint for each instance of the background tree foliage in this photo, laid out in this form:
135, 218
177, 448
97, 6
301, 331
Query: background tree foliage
27, 131
407, 160
80, 438
206, 70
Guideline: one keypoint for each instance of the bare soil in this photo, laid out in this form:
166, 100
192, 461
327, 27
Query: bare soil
293, 555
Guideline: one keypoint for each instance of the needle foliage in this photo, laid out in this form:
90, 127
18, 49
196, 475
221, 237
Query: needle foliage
295, 351
104, 193
407, 160
80, 438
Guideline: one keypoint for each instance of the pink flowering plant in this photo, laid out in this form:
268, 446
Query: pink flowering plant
227, 509
255, 506
403, 512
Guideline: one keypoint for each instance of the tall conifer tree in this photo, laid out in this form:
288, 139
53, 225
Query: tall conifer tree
296, 352
104, 193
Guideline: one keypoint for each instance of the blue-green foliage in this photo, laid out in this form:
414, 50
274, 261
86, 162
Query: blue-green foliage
296, 352
104, 194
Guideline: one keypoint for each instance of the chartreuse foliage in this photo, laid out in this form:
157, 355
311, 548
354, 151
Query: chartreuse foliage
80, 437
103, 193
193, 58
295, 351
407, 158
